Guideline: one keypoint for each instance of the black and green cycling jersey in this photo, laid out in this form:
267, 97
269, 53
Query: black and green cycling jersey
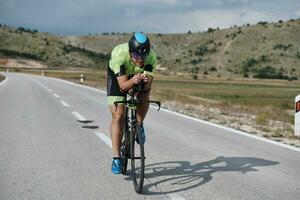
121, 64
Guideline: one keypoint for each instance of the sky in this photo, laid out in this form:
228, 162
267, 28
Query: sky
82, 17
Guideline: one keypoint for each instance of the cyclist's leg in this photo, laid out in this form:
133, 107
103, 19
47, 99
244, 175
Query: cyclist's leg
143, 108
116, 128
114, 94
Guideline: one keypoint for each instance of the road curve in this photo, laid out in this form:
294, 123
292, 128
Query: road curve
46, 154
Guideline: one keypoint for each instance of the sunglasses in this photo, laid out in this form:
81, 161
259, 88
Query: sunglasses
138, 56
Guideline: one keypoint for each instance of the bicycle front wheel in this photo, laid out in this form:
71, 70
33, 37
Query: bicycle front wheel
137, 159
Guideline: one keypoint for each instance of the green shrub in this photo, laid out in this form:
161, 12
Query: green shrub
282, 46
213, 69
13, 53
262, 23
210, 30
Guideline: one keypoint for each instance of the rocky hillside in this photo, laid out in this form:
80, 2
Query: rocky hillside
264, 50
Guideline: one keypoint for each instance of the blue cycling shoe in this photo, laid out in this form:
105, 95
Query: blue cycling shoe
142, 134
116, 166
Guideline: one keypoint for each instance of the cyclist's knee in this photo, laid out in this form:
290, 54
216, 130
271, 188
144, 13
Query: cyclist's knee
118, 115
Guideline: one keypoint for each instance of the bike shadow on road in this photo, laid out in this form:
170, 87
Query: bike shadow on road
176, 176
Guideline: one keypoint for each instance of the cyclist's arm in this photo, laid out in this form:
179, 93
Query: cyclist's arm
147, 86
127, 84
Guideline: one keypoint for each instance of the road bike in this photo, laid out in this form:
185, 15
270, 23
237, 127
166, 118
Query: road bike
132, 147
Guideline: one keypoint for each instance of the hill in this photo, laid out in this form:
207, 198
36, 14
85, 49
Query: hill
264, 50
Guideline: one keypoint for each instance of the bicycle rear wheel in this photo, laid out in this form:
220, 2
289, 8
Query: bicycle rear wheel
137, 159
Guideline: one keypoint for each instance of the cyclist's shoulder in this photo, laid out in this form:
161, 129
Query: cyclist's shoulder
152, 58
153, 54
121, 49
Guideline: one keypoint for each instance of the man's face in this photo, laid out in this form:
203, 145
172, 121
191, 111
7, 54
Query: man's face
139, 61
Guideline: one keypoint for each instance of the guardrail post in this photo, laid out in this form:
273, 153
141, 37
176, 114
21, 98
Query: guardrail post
43, 73
297, 115
81, 78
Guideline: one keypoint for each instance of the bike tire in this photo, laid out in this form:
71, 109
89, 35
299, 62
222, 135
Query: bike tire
124, 159
125, 152
137, 160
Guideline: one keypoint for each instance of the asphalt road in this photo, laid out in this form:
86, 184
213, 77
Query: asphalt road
46, 154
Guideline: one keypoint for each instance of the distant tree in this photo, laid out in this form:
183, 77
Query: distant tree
210, 30
248, 24
264, 58
262, 23
280, 21
213, 69
189, 32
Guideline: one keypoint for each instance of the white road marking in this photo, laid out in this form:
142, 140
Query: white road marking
104, 138
64, 103
75, 84
49, 90
55, 95
78, 116
2, 82
175, 197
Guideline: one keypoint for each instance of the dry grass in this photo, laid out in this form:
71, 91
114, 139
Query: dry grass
1, 78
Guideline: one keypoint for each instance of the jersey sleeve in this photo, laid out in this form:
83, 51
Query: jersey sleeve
117, 62
151, 64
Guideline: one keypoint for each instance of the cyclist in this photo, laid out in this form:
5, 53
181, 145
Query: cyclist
130, 64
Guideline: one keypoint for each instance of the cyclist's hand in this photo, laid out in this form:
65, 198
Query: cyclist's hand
136, 79
145, 78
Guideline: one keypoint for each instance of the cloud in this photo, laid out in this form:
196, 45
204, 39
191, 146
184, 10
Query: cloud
165, 16
297, 12
200, 20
